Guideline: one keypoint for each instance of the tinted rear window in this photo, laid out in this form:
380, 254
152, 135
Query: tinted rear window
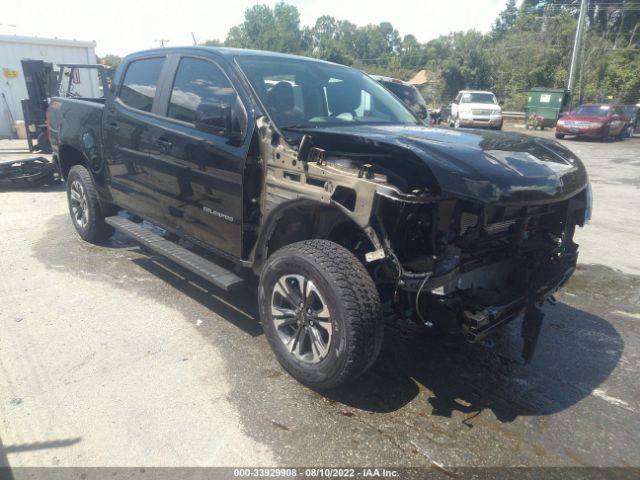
198, 81
140, 83
404, 92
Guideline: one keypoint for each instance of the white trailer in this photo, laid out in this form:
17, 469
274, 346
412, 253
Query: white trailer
13, 89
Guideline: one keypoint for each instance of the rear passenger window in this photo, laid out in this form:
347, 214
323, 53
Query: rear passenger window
200, 82
140, 83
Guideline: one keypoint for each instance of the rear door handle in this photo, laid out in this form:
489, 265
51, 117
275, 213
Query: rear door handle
164, 144
113, 126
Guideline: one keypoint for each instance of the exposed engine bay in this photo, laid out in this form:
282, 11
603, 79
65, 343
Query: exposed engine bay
460, 237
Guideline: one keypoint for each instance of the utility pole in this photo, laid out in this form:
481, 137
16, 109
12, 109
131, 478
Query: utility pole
576, 45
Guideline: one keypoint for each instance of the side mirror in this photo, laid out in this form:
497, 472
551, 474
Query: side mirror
215, 118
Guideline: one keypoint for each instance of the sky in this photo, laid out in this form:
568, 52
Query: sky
124, 26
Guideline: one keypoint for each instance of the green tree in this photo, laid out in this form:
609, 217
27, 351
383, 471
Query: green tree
528, 46
110, 60
276, 29
505, 21
326, 40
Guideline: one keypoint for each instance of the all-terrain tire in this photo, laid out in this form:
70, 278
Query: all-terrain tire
353, 304
82, 193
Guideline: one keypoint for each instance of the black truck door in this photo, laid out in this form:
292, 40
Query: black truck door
197, 159
127, 138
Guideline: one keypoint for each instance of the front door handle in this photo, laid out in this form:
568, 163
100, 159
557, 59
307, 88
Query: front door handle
113, 126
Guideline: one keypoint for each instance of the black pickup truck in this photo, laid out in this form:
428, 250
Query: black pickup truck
315, 178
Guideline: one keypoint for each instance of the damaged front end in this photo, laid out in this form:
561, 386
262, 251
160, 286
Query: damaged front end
471, 267
464, 232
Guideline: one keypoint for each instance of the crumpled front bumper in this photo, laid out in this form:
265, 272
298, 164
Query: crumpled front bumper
477, 319
480, 322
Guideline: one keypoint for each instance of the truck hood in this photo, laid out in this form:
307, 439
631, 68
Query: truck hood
485, 166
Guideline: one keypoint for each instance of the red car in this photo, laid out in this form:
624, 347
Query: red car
593, 120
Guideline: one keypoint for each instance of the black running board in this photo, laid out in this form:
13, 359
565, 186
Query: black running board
210, 271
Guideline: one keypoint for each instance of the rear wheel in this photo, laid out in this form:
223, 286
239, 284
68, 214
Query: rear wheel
456, 123
84, 206
321, 313
605, 134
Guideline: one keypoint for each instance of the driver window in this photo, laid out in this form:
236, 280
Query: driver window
200, 82
285, 96
343, 99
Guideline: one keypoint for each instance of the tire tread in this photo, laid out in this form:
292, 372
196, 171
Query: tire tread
359, 299
98, 231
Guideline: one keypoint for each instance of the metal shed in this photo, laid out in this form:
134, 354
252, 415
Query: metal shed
13, 89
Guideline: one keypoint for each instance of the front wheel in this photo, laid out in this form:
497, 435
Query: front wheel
559, 136
605, 134
84, 206
321, 313
623, 133
456, 123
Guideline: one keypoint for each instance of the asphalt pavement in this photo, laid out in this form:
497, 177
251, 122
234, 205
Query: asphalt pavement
110, 356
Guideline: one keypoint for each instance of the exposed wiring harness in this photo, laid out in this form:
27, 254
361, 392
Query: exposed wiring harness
426, 277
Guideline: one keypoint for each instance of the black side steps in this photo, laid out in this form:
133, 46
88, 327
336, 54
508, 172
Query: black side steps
210, 271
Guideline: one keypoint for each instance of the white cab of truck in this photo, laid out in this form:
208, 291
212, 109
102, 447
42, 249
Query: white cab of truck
475, 108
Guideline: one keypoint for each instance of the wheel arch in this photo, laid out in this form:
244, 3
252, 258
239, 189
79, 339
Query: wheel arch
67, 157
305, 219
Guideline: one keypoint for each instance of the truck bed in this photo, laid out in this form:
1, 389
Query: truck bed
69, 118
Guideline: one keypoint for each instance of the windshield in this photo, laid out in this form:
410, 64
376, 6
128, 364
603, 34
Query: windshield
478, 98
591, 111
306, 93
